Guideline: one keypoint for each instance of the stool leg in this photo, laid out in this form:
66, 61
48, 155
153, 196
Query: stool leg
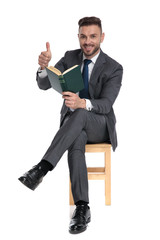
71, 201
108, 176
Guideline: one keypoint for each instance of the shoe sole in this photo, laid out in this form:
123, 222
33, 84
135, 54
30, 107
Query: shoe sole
84, 229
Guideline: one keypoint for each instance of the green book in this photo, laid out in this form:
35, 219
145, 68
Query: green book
70, 80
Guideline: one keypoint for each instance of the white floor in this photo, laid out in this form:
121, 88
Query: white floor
45, 213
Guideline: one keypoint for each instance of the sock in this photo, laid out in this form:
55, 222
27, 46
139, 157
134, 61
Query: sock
81, 203
45, 166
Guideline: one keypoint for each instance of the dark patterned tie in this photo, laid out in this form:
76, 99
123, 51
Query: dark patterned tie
84, 93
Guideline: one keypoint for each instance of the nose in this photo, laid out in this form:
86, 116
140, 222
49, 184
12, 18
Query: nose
87, 40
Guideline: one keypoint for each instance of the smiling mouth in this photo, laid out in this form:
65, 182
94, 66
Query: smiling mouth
88, 47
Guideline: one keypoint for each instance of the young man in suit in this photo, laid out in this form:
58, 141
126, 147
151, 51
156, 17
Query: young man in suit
87, 116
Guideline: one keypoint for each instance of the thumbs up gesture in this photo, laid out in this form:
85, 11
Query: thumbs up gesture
45, 57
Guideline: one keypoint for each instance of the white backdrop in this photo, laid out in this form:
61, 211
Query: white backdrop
30, 118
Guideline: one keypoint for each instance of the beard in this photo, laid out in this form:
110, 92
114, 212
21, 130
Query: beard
89, 49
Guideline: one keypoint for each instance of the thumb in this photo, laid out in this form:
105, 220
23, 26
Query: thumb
48, 47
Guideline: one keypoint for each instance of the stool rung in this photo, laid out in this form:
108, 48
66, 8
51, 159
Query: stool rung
96, 169
92, 176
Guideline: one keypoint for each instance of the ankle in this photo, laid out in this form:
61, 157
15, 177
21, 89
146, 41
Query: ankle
45, 166
81, 203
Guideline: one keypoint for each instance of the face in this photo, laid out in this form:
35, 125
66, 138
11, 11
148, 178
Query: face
90, 38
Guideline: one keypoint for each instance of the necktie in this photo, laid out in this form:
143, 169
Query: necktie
84, 92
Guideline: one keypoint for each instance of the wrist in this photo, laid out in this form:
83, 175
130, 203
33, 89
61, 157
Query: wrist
83, 103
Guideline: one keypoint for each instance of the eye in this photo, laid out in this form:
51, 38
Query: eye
82, 36
93, 36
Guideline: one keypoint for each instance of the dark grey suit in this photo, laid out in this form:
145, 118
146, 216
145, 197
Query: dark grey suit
82, 126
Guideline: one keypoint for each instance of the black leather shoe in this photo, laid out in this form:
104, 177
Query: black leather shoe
32, 178
81, 217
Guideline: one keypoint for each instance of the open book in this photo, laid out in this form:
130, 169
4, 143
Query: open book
70, 80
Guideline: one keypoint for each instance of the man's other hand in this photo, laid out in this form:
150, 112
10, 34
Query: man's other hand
45, 57
73, 101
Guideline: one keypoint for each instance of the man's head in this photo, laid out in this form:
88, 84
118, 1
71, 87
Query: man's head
90, 35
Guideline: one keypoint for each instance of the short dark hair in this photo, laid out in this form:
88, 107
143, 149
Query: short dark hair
86, 21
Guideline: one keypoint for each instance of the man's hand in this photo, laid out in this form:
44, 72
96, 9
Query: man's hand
45, 57
73, 101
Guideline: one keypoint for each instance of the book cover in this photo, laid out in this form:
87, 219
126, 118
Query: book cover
71, 80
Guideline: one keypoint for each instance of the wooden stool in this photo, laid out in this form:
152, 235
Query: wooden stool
99, 173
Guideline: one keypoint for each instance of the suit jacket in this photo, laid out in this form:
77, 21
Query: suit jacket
104, 86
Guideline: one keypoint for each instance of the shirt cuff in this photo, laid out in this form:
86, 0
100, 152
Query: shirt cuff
89, 105
42, 73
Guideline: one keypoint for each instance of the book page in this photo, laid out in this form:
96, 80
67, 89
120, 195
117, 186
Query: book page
55, 70
70, 69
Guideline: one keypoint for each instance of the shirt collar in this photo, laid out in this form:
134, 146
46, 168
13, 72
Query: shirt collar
92, 59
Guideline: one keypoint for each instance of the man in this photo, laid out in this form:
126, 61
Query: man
87, 116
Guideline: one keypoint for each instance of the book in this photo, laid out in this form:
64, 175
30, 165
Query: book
70, 80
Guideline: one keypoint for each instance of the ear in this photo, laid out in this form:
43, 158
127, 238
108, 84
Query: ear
102, 37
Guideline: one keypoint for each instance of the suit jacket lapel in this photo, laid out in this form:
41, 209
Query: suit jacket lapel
96, 72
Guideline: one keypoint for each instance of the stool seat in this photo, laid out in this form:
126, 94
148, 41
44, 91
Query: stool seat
99, 173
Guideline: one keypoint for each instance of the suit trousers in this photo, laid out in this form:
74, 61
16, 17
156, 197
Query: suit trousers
79, 127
